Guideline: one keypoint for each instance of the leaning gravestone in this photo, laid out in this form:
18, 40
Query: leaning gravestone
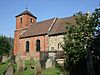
20, 65
37, 69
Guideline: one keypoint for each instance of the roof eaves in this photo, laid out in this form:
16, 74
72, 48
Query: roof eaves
32, 35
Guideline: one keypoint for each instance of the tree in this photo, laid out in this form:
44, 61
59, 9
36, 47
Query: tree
5, 46
96, 43
78, 42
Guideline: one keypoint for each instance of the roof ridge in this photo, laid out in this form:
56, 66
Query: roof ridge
66, 17
23, 32
52, 24
45, 20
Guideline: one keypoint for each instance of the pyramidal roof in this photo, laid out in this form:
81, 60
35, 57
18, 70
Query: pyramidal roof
26, 12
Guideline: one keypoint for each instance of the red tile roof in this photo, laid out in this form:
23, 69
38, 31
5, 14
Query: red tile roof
51, 27
60, 25
38, 28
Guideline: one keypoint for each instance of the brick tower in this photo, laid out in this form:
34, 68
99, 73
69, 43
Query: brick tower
23, 21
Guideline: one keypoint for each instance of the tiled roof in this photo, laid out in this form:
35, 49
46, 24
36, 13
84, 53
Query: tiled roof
60, 25
38, 28
48, 27
26, 12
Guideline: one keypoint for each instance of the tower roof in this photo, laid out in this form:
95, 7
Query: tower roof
26, 12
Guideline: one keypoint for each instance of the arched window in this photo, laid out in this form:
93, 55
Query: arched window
38, 45
27, 46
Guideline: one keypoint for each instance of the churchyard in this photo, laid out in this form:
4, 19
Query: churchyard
32, 66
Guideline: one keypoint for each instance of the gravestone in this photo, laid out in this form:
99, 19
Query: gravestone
37, 69
52, 55
49, 63
20, 65
5, 58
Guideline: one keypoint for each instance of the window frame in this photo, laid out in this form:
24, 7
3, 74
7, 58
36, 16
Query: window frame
27, 46
38, 45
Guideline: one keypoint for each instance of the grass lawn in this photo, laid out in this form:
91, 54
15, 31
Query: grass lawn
3, 67
27, 72
51, 71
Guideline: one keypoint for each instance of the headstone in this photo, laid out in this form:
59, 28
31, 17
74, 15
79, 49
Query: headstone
49, 63
5, 58
37, 69
52, 55
20, 65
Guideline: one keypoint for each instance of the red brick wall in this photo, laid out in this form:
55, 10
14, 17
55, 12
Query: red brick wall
16, 41
26, 21
20, 27
32, 40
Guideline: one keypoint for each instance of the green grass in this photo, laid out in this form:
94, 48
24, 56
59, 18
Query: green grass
51, 71
28, 65
3, 67
27, 72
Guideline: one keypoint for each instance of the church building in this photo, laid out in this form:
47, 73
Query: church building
32, 37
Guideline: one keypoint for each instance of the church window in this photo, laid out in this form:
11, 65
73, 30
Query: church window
27, 46
38, 45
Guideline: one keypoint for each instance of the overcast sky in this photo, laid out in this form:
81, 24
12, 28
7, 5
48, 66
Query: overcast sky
42, 9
